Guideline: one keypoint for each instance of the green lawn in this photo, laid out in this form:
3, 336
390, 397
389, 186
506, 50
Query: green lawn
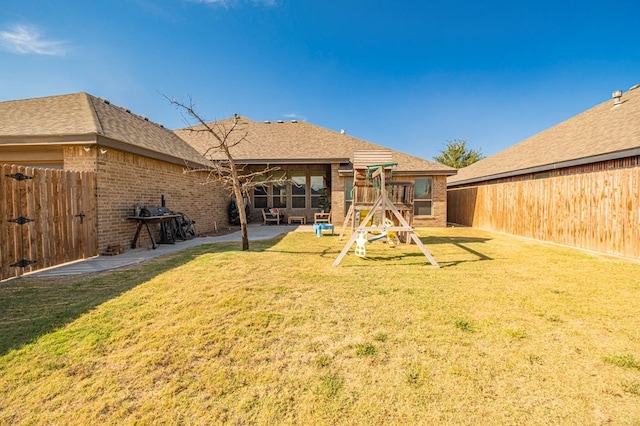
507, 331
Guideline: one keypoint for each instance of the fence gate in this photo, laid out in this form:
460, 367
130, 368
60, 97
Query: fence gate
47, 217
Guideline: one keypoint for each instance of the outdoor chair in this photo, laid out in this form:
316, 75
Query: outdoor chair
322, 217
271, 215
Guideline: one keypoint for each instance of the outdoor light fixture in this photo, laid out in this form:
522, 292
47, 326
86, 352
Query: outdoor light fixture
103, 150
87, 148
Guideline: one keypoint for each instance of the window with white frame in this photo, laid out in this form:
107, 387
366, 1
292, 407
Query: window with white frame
423, 197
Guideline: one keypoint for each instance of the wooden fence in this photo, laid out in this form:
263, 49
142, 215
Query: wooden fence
47, 217
597, 211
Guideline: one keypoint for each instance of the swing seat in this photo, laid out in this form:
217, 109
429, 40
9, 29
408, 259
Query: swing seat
377, 237
393, 239
361, 249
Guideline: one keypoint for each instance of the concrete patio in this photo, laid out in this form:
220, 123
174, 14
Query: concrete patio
140, 254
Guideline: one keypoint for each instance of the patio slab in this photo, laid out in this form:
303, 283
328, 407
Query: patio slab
140, 254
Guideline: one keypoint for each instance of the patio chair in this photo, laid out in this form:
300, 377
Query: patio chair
271, 215
322, 217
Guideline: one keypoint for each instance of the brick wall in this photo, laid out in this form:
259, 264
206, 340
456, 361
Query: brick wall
291, 170
76, 158
337, 196
439, 206
125, 179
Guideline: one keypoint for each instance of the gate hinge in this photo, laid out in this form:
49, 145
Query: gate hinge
21, 220
19, 176
22, 264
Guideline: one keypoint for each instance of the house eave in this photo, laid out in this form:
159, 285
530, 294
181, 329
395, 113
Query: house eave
424, 173
42, 140
259, 161
93, 139
123, 146
349, 172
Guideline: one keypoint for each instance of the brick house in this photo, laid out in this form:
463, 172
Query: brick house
315, 160
135, 160
575, 183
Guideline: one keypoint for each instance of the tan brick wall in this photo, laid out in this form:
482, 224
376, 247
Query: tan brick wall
439, 206
76, 158
290, 170
439, 218
337, 196
125, 179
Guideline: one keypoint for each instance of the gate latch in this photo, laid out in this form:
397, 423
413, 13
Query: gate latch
81, 215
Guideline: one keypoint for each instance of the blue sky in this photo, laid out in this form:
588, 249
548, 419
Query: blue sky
409, 75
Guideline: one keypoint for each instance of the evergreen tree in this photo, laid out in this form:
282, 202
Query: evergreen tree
457, 155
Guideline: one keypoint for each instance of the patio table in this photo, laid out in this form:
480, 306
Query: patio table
301, 219
146, 220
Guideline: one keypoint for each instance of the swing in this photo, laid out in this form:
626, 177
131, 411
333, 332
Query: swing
377, 174
361, 242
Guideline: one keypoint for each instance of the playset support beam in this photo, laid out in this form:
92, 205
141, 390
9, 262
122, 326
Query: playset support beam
384, 205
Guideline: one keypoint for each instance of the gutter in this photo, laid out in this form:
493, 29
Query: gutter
258, 161
70, 139
93, 139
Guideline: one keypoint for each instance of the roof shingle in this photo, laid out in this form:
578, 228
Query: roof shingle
83, 114
297, 142
605, 129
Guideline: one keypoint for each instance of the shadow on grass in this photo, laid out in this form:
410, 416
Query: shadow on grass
460, 242
31, 307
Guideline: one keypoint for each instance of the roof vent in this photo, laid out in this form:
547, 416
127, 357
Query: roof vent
267, 122
280, 121
294, 121
106, 101
616, 96
343, 132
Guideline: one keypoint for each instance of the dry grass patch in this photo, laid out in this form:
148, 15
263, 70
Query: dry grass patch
507, 332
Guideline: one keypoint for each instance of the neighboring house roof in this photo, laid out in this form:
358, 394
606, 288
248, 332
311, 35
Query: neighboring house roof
79, 117
297, 142
607, 131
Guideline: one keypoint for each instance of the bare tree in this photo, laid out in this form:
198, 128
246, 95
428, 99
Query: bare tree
232, 176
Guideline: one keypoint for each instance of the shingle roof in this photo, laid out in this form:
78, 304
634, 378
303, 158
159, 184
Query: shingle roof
298, 142
54, 115
83, 114
605, 131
